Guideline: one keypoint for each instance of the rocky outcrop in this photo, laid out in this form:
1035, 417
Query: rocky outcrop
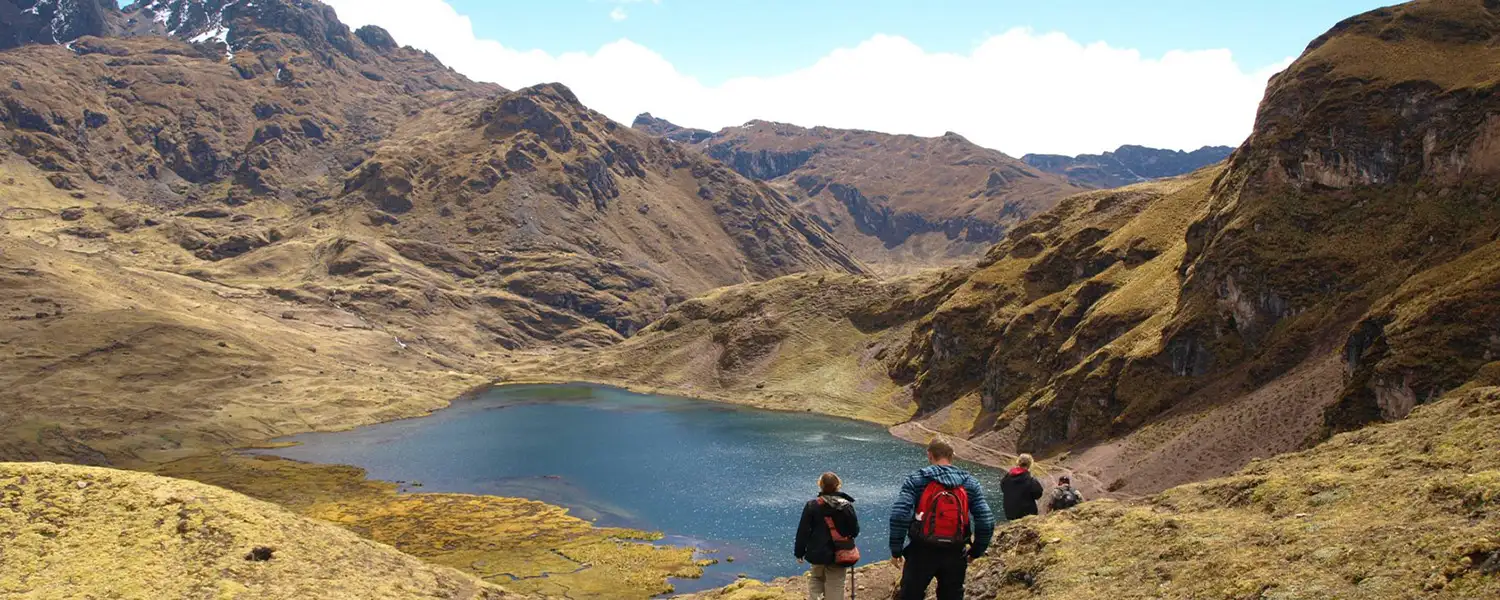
1341, 252
1380, 208
376, 37
1127, 164
56, 21
761, 164
664, 128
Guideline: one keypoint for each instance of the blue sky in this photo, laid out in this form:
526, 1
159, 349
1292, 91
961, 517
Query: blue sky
715, 40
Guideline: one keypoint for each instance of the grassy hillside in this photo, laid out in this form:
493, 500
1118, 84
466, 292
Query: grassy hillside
527, 547
811, 342
83, 532
116, 348
315, 228
1405, 510
1306, 335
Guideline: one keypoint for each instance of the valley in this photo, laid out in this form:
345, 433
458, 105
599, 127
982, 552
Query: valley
620, 459
1272, 369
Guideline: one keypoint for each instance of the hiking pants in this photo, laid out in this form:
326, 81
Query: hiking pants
923, 565
826, 582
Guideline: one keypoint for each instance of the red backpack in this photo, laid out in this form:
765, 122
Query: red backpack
942, 517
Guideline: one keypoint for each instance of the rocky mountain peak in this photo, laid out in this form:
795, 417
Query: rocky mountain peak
661, 127
549, 111
1431, 62
235, 21
54, 21
376, 37
949, 136
555, 91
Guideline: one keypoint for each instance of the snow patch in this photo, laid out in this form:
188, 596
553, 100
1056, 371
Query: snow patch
161, 12
60, 20
220, 33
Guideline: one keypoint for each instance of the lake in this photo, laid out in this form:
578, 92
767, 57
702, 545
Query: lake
711, 475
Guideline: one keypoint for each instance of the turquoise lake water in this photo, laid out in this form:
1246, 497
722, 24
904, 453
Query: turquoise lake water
709, 475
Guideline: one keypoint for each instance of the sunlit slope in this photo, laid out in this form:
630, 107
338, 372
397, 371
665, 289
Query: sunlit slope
78, 532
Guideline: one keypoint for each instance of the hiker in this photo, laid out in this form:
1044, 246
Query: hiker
825, 538
942, 509
1021, 490
1064, 496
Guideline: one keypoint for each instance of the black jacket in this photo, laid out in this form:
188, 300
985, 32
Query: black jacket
1021, 491
814, 542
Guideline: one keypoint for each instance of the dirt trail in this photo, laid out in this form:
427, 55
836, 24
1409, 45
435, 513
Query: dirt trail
1090, 486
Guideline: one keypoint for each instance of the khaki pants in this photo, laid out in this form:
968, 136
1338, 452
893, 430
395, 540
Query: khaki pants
826, 582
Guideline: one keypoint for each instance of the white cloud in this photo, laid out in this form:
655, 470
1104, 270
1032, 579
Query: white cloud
618, 14
1018, 92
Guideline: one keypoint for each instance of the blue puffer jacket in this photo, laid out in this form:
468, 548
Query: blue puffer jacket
981, 519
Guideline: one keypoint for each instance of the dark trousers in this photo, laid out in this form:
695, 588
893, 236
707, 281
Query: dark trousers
947, 565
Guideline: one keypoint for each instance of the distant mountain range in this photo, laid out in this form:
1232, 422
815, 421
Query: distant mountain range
1126, 165
901, 202
898, 202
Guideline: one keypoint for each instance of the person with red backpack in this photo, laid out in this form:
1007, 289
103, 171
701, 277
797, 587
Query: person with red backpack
825, 538
942, 509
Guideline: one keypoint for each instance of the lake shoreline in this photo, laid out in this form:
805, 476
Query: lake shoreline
899, 430
776, 450
909, 430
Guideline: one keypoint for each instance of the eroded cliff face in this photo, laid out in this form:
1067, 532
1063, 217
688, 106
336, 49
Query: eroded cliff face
1337, 271
1365, 197
898, 202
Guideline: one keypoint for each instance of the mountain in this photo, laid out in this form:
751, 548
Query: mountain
318, 217
664, 128
1276, 375
1337, 271
1297, 345
56, 21
899, 202
1126, 165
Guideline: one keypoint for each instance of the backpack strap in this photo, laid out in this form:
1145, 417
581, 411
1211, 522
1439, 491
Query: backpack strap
832, 529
